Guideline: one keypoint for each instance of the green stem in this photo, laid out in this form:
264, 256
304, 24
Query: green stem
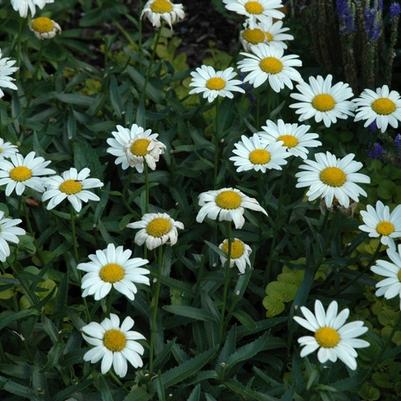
146, 174
216, 139
74, 234
227, 270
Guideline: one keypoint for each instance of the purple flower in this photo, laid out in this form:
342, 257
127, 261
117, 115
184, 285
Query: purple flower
397, 141
346, 16
395, 10
373, 24
372, 127
376, 152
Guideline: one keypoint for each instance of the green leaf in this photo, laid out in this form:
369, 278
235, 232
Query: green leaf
138, 394
189, 312
195, 394
6, 318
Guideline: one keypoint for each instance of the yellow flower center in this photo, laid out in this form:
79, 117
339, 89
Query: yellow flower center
161, 6
228, 200
140, 147
254, 36
114, 340
216, 83
70, 187
20, 173
271, 65
399, 275
384, 106
254, 7
327, 337
237, 248
323, 102
269, 36
333, 176
385, 228
289, 140
112, 272
158, 227
42, 25
259, 156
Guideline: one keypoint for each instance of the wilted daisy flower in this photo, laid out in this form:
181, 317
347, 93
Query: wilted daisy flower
157, 10
114, 344
23, 6
323, 101
331, 178
239, 254
6, 69
134, 147
390, 287
379, 222
256, 9
214, 83
8, 233
382, 107
226, 204
255, 153
44, 28
110, 268
156, 229
268, 63
294, 137
20, 172
334, 339
7, 149
266, 31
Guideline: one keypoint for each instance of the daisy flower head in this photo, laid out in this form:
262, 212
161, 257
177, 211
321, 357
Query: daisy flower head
390, 286
44, 28
9, 232
133, 147
266, 31
24, 6
6, 69
239, 254
226, 204
156, 229
255, 153
331, 178
212, 83
334, 338
110, 268
295, 138
256, 9
268, 63
157, 10
323, 101
380, 222
7, 149
21, 172
114, 344
382, 107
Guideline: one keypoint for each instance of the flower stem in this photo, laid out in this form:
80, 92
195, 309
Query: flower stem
74, 234
146, 174
216, 145
227, 270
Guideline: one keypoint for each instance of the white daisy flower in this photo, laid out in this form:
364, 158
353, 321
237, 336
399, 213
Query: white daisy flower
73, 186
8, 233
134, 147
214, 83
379, 222
20, 172
390, 287
7, 149
114, 344
331, 178
268, 63
323, 101
156, 229
44, 28
295, 138
256, 9
334, 339
6, 69
23, 6
110, 268
157, 10
257, 154
226, 204
382, 107
266, 31
239, 254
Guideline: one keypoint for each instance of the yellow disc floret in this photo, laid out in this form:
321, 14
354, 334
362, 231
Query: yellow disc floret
323, 102
289, 140
140, 147
20, 173
254, 36
271, 65
112, 273
269, 36
228, 200
114, 340
158, 227
259, 156
161, 6
399, 275
70, 187
237, 248
333, 176
385, 228
216, 83
327, 337
254, 7
384, 106
42, 25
